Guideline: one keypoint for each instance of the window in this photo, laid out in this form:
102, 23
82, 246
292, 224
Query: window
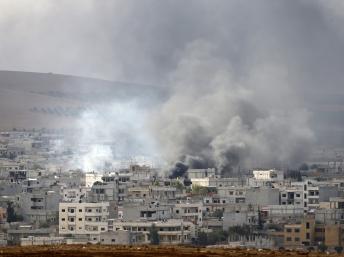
284, 195
63, 210
63, 219
297, 230
80, 210
288, 239
289, 230
80, 219
297, 239
307, 225
113, 240
177, 211
308, 236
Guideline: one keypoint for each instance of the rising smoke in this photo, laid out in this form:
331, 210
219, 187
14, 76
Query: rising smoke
214, 119
109, 134
247, 81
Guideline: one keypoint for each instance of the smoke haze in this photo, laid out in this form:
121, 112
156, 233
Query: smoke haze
247, 83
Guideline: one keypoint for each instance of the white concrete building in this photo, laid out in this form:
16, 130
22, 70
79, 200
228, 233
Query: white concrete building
269, 175
92, 177
75, 195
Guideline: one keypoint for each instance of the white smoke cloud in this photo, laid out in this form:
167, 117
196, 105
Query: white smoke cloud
111, 133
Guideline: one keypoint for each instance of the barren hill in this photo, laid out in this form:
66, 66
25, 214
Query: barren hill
36, 100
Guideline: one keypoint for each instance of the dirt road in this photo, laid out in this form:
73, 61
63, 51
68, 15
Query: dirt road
136, 251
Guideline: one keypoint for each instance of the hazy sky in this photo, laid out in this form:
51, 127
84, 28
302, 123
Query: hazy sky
142, 40
146, 41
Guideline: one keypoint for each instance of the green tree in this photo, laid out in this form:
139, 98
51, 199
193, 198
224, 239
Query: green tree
260, 220
154, 235
202, 239
217, 236
322, 247
244, 230
11, 214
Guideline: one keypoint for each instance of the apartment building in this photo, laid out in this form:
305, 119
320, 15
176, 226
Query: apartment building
40, 205
89, 219
331, 212
232, 194
75, 195
190, 212
151, 211
167, 193
309, 233
90, 178
140, 173
173, 231
124, 182
268, 175
300, 235
103, 191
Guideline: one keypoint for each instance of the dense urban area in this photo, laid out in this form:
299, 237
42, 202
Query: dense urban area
139, 204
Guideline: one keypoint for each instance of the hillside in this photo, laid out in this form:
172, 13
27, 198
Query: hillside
36, 100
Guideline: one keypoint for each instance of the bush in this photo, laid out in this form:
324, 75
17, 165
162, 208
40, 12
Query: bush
212, 238
154, 235
202, 239
322, 247
339, 249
